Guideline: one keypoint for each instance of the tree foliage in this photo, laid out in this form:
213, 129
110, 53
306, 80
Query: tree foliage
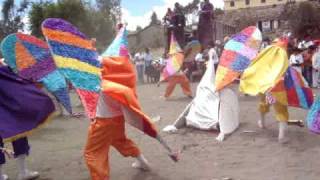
12, 17
303, 19
96, 21
154, 18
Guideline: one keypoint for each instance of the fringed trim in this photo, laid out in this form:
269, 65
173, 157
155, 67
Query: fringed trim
25, 134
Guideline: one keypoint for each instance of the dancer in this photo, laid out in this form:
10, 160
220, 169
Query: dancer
269, 77
18, 118
173, 72
209, 109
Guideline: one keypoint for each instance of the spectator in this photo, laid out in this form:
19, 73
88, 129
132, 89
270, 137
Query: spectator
307, 65
212, 55
296, 59
147, 57
316, 68
138, 61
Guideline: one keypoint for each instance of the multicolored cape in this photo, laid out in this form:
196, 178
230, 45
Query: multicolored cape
30, 58
238, 53
23, 107
313, 117
76, 58
266, 69
293, 90
175, 61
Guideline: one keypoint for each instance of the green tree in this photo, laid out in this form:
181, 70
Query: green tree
95, 20
303, 19
12, 17
154, 18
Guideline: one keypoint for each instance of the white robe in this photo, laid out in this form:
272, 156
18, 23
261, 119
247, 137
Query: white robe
203, 113
210, 108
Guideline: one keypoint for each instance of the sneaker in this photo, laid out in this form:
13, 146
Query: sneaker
28, 175
142, 165
4, 177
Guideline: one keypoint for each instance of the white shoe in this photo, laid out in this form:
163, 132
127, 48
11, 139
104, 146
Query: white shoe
220, 137
170, 129
142, 165
4, 177
28, 175
261, 124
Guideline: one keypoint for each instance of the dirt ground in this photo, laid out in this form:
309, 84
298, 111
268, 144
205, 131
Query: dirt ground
57, 149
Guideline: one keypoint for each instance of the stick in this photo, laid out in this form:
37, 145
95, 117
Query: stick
173, 155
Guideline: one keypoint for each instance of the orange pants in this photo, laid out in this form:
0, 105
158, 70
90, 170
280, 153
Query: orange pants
178, 79
103, 133
281, 111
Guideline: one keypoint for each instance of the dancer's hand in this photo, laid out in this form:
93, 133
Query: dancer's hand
7, 152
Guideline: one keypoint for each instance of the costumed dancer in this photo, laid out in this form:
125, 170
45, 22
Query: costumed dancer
173, 72
269, 77
108, 128
107, 91
209, 109
18, 118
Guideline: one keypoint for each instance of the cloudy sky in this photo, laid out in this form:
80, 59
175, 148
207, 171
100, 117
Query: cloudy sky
138, 12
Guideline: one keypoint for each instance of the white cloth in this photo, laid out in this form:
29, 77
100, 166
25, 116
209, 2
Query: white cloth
210, 108
138, 59
107, 107
229, 111
203, 113
213, 56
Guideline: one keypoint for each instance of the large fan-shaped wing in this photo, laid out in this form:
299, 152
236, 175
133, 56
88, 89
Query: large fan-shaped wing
76, 58
30, 58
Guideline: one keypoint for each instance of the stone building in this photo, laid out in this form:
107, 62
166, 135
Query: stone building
265, 14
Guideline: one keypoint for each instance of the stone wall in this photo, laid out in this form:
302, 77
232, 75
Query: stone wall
151, 36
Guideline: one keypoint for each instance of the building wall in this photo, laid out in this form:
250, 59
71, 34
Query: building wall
150, 37
240, 4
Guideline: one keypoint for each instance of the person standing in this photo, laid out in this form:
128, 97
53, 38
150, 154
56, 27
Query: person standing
316, 68
212, 53
147, 57
138, 61
307, 65
205, 26
179, 22
168, 28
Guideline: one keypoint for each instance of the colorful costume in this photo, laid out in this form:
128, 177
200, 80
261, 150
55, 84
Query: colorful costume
210, 109
17, 116
173, 72
107, 91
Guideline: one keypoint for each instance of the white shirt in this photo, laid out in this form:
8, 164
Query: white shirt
296, 59
147, 58
199, 58
213, 56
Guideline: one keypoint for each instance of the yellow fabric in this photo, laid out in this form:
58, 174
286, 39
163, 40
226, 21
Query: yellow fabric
281, 111
104, 133
265, 70
71, 63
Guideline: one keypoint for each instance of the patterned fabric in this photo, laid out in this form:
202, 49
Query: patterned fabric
76, 58
266, 70
293, 90
175, 61
23, 107
238, 53
313, 117
30, 58
119, 46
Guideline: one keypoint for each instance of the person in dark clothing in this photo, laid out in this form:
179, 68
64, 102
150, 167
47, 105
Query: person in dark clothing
179, 22
205, 26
